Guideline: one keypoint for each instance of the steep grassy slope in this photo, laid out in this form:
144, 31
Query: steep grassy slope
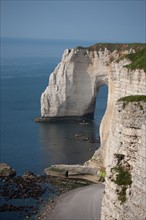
118, 47
138, 60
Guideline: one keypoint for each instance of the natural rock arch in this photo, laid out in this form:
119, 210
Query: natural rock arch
73, 85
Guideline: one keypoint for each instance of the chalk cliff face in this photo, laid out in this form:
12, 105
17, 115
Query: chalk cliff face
72, 91
126, 150
73, 85
121, 82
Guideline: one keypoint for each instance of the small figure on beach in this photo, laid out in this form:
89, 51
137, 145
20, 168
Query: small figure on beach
66, 173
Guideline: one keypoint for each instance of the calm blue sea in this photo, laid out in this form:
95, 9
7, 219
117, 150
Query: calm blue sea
30, 146
27, 145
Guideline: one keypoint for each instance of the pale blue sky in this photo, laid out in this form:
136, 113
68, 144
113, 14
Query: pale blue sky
99, 21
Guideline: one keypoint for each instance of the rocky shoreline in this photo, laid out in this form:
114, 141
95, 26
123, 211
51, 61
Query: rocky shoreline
26, 195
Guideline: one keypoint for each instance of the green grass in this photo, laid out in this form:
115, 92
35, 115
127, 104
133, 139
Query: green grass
122, 195
123, 176
133, 98
138, 60
123, 179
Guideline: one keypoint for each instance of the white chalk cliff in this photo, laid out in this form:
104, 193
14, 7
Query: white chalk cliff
126, 150
72, 91
73, 85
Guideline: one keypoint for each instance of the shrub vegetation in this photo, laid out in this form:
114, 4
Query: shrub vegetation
133, 98
138, 60
123, 179
123, 176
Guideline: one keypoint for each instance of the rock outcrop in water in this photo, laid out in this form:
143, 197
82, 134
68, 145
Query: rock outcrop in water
72, 91
6, 170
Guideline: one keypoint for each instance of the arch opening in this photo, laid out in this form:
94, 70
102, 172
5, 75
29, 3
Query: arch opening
100, 103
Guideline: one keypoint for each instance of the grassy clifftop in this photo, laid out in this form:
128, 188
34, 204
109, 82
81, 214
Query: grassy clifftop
112, 47
138, 60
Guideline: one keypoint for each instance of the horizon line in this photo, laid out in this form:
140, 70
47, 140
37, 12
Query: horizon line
66, 40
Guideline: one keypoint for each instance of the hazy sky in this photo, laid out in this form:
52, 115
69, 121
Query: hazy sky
100, 21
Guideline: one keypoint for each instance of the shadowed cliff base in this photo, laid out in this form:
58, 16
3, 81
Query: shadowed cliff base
67, 119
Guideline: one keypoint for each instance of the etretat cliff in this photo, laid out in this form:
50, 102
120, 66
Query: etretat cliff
71, 94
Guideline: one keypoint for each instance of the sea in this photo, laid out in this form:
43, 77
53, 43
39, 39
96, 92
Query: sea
30, 146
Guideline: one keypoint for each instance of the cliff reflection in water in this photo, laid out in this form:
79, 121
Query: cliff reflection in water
59, 144
58, 141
